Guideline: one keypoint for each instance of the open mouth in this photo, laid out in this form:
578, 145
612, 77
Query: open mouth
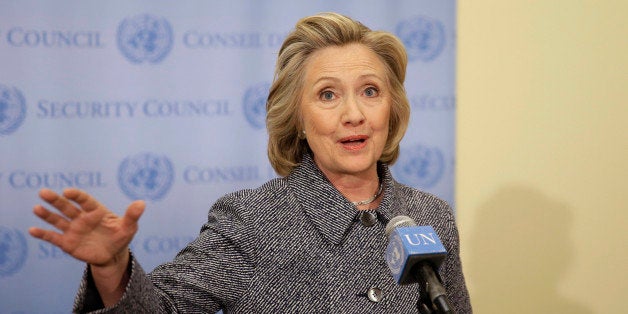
354, 142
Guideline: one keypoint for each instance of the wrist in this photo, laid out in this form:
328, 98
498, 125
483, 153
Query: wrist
112, 278
118, 264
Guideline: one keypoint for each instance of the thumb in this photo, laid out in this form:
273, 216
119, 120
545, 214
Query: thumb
133, 213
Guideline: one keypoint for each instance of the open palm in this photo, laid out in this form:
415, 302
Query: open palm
87, 230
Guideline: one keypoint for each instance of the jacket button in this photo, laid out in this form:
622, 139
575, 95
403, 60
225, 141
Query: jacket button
375, 294
367, 219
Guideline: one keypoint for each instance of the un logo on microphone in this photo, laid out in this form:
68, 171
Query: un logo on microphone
254, 104
12, 109
145, 38
395, 254
420, 166
13, 251
145, 176
423, 37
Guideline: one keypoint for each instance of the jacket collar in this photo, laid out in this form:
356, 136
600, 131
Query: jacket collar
328, 210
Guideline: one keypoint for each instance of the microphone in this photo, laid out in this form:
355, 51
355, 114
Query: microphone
412, 254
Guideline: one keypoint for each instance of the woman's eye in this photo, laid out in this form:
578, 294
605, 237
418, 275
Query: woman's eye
371, 92
327, 95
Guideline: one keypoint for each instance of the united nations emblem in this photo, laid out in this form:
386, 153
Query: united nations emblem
145, 38
12, 109
254, 104
395, 254
13, 251
423, 37
145, 176
420, 166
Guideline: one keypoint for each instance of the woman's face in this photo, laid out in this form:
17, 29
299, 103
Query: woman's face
345, 108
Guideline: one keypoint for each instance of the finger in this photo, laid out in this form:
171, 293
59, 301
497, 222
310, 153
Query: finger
36, 232
61, 203
53, 219
133, 213
46, 235
86, 201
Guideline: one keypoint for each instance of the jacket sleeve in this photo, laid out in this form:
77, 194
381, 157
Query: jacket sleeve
212, 271
88, 300
451, 270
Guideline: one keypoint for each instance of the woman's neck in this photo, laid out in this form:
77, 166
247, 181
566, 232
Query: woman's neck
361, 189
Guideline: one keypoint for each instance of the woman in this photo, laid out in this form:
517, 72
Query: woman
311, 241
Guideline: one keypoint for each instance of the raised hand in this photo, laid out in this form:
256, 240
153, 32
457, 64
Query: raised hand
87, 230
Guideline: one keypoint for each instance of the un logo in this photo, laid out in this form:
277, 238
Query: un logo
423, 37
145, 176
13, 251
420, 166
254, 104
12, 109
145, 38
395, 254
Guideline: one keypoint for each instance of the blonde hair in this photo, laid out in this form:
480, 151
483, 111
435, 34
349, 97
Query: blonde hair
285, 146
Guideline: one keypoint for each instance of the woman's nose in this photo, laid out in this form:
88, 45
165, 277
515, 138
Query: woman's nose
352, 113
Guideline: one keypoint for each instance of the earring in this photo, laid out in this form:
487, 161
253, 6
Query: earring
301, 135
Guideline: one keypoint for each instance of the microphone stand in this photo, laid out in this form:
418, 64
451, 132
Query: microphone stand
433, 292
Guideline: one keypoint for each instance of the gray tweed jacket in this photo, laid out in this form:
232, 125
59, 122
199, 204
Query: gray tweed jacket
293, 245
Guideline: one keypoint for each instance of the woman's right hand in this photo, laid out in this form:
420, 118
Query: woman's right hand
87, 230
91, 233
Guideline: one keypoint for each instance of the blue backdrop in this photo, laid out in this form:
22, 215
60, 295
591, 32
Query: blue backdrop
164, 101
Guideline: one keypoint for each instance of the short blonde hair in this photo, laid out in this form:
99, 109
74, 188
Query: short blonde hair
285, 146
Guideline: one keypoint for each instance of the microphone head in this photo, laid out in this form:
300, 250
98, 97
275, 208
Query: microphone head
410, 245
399, 221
